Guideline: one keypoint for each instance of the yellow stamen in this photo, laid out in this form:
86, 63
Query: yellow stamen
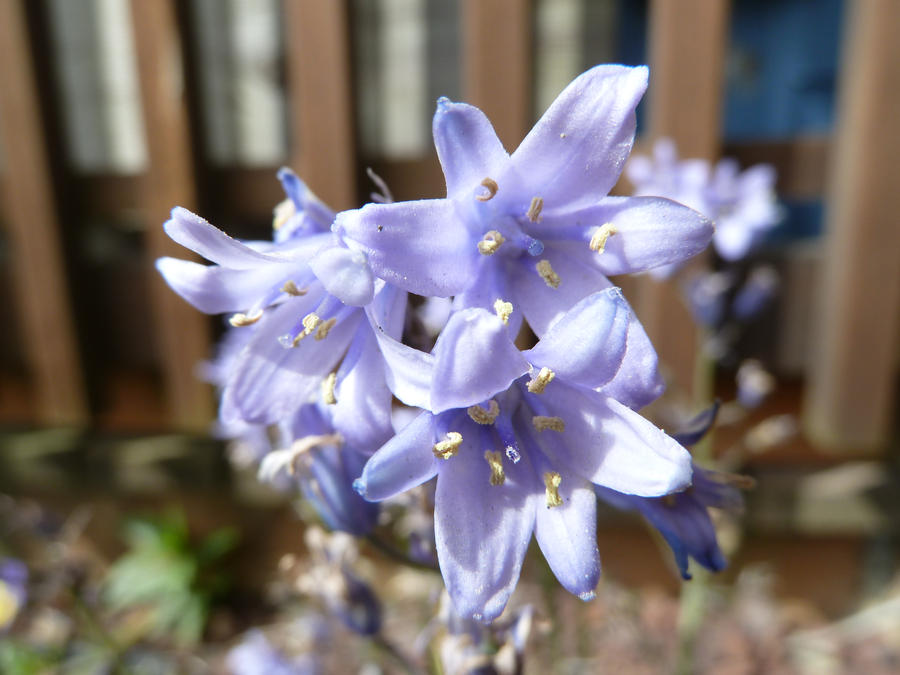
490, 242
283, 213
492, 187
238, 320
482, 416
542, 423
292, 289
328, 388
545, 269
538, 383
598, 239
503, 310
324, 328
495, 461
551, 488
534, 211
310, 322
449, 446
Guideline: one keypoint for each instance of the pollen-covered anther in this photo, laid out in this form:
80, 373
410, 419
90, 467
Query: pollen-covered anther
490, 242
238, 320
328, 388
283, 212
539, 382
534, 210
495, 461
482, 416
600, 236
324, 328
292, 289
552, 482
492, 188
545, 269
448, 447
503, 310
310, 322
303, 445
542, 423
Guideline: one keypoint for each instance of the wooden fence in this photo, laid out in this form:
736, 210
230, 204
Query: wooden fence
64, 363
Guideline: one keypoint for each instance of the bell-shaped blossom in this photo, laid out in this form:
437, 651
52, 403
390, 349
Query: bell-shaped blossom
537, 227
742, 204
517, 441
683, 518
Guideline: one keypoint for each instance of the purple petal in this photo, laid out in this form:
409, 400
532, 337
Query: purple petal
305, 199
649, 232
362, 413
481, 530
475, 358
567, 535
409, 371
404, 462
420, 246
543, 305
345, 274
587, 344
467, 146
637, 382
215, 290
581, 143
613, 446
197, 234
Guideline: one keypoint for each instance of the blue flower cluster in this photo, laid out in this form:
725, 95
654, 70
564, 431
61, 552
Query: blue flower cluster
519, 440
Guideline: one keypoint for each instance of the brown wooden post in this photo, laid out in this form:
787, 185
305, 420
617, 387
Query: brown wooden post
851, 377
321, 98
497, 64
37, 261
182, 333
687, 62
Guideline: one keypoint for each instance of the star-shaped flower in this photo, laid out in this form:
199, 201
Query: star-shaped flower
536, 227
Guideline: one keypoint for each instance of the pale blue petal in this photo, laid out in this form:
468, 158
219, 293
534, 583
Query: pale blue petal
200, 236
467, 146
567, 535
649, 232
419, 246
305, 200
638, 381
587, 344
543, 305
475, 358
345, 274
613, 446
404, 462
215, 290
408, 371
579, 146
481, 530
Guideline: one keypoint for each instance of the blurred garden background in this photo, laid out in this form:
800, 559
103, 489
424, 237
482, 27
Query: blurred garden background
133, 540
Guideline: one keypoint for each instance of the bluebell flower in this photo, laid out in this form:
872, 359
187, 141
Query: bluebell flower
756, 293
517, 440
683, 518
255, 655
536, 228
13, 591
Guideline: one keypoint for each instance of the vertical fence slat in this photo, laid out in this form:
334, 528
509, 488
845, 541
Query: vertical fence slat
182, 333
851, 378
687, 55
497, 64
319, 83
36, 257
